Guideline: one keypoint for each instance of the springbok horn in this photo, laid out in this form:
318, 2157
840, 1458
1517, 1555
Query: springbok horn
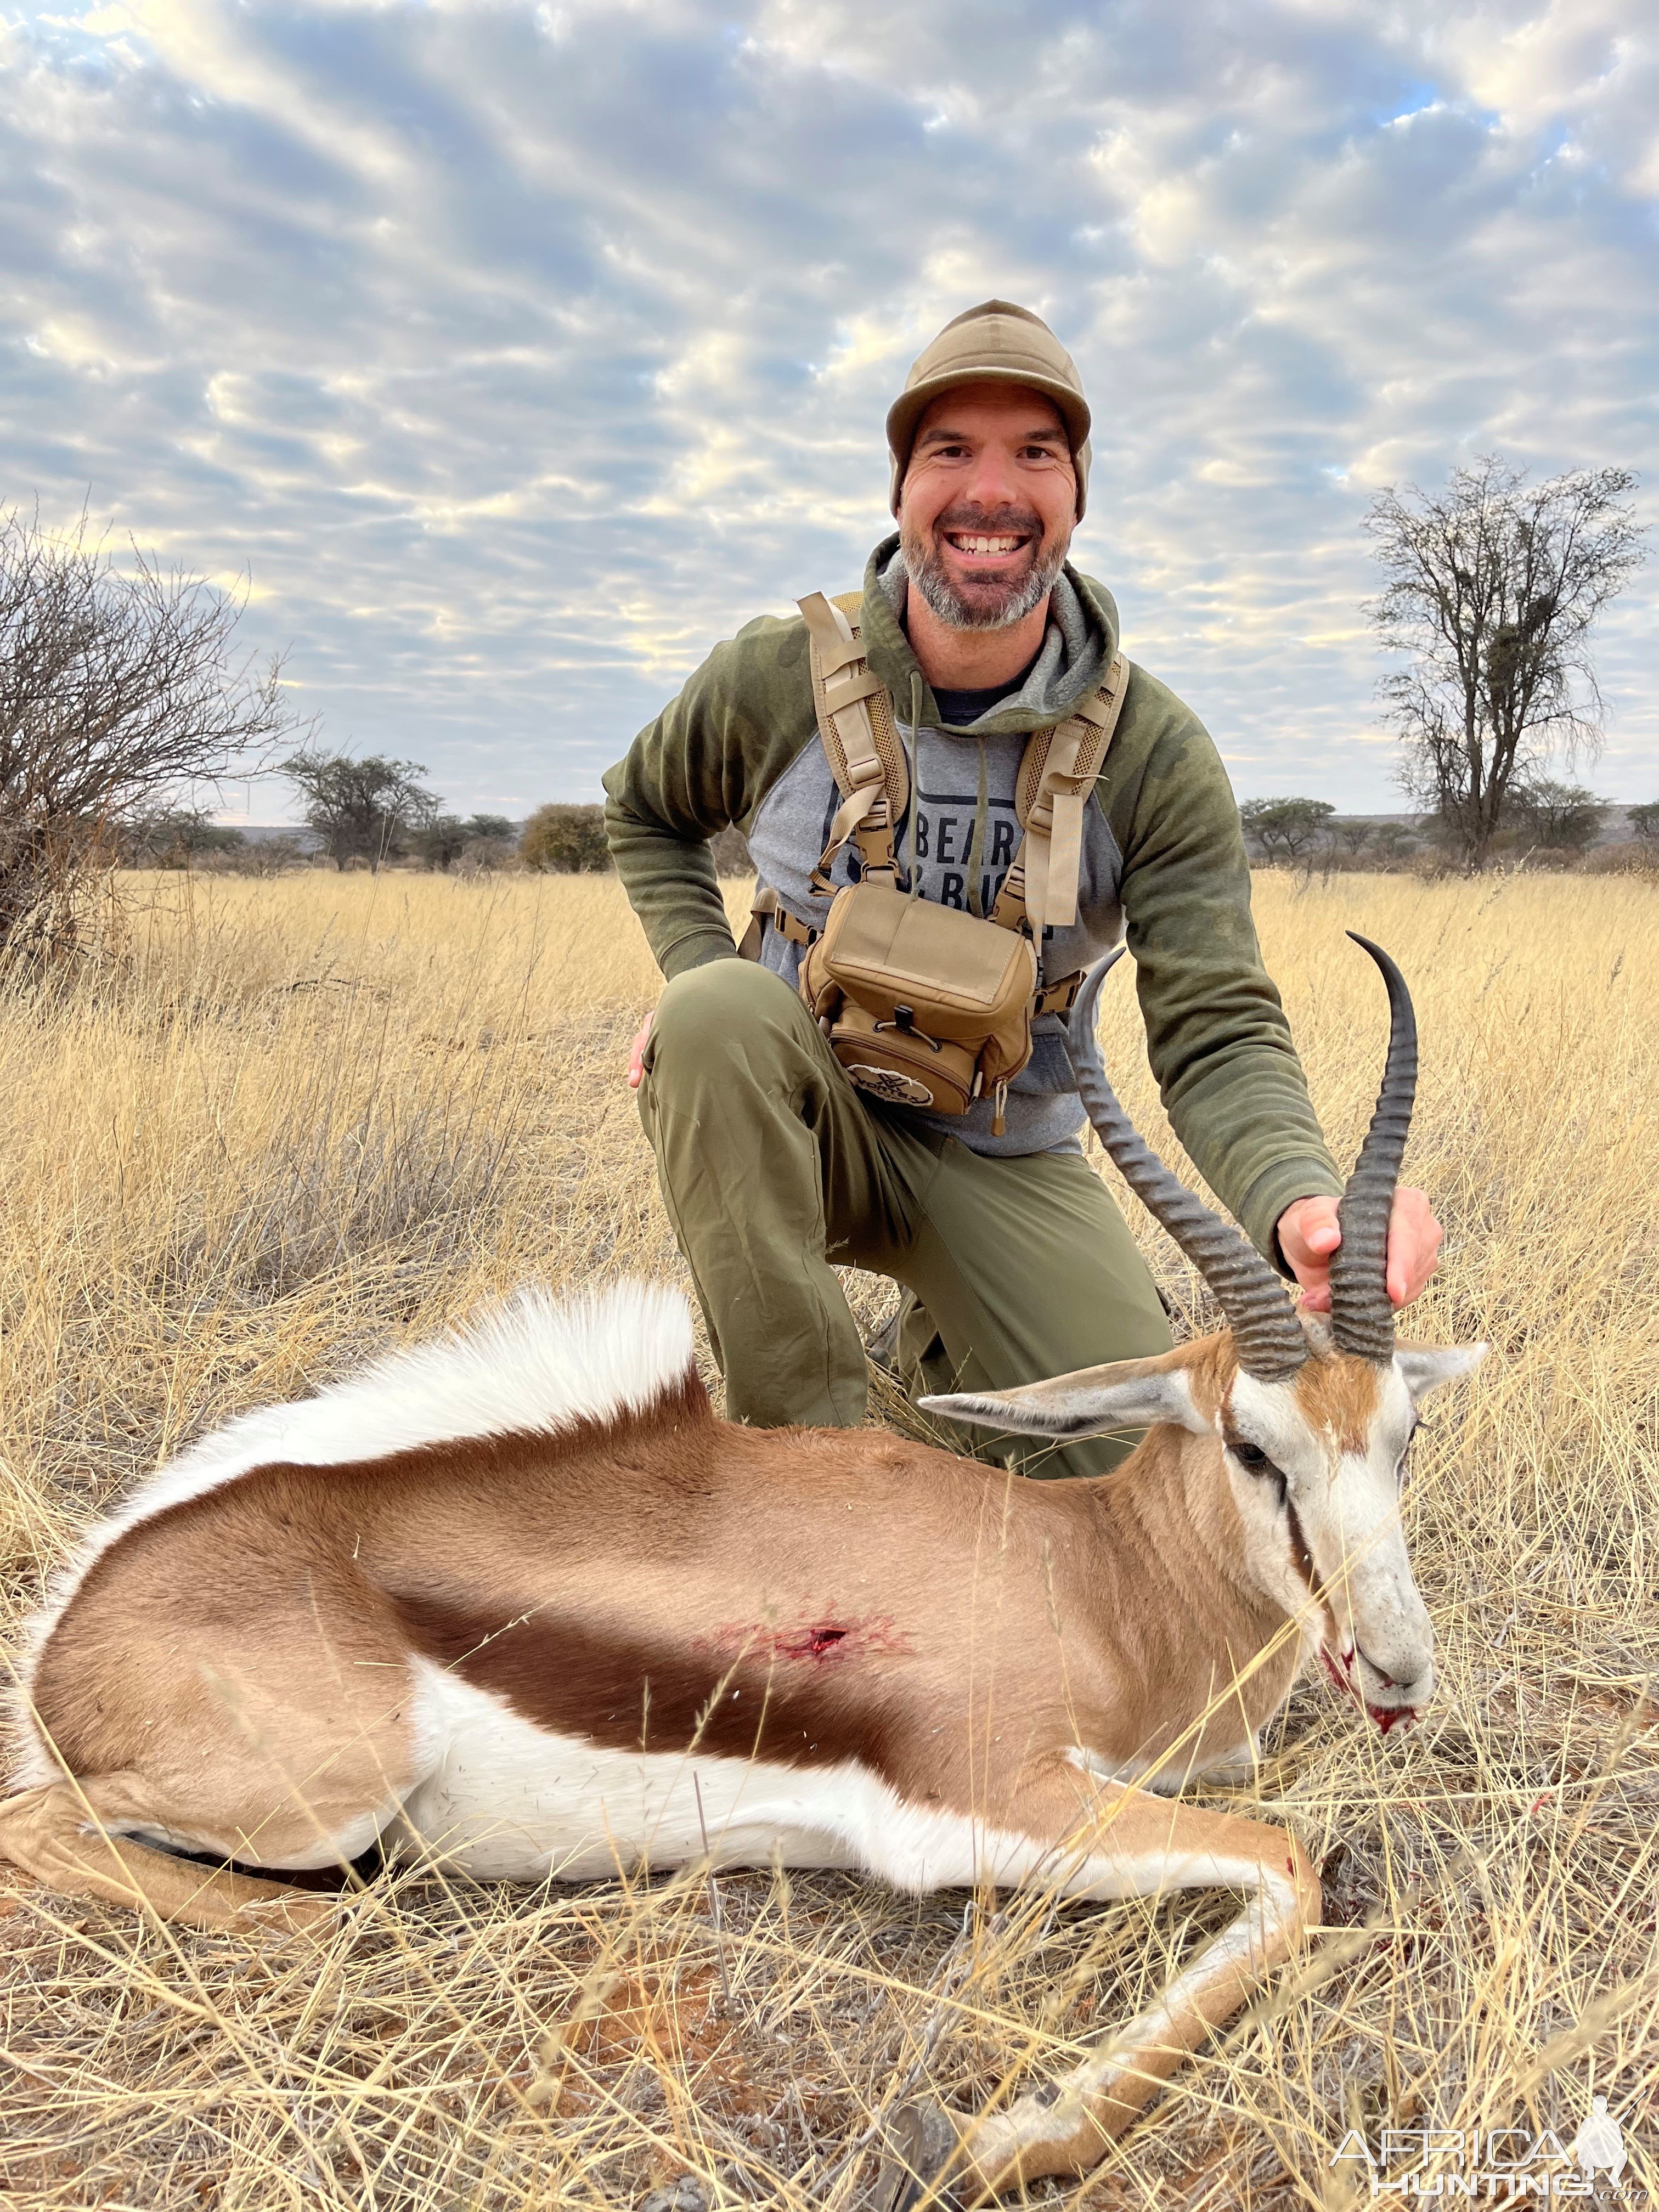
1362, 1318
1267, 1333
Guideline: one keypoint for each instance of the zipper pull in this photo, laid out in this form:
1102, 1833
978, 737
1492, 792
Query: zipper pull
1000, 1097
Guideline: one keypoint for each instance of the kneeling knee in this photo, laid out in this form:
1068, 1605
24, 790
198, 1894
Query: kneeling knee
718, 1009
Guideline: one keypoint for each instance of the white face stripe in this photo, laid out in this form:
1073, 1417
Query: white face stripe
1346, 1505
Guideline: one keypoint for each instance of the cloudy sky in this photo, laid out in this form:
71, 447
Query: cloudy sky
516, 354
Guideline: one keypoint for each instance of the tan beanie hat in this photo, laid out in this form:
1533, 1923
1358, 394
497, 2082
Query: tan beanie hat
994, 342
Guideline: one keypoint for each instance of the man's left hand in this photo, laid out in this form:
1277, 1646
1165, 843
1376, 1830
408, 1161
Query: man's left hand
1308, 1235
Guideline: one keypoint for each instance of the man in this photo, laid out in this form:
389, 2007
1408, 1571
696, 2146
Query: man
773, 1165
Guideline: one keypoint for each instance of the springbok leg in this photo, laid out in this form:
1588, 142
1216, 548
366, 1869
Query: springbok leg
1131, 1844
67, 1835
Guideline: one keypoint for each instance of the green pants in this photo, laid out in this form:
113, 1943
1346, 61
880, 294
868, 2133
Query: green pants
773, 1167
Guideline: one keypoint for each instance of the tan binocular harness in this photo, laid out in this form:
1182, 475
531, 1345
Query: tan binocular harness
924, 1005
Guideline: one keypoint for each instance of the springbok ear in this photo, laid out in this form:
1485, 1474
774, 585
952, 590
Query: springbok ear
1129, 1393
1426, 1366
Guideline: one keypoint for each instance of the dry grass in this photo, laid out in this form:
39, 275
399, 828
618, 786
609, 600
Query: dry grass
290, 1121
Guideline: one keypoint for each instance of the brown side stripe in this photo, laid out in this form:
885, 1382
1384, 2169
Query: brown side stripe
633, 1693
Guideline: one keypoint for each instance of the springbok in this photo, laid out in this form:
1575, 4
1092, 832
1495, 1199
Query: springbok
518, 1600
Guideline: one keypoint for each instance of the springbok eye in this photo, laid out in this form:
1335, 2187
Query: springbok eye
1255, 1462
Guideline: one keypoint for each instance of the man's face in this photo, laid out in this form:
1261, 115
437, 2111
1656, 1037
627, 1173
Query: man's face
987, 504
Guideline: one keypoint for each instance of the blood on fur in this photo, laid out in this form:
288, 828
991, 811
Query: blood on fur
824, 1639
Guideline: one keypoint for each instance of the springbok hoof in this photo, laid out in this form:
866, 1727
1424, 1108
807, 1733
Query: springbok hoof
922, 2142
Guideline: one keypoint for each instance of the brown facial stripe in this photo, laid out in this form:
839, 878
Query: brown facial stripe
1301, 1557
634, 1693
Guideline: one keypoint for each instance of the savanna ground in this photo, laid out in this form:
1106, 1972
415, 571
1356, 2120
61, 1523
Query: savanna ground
274, 1126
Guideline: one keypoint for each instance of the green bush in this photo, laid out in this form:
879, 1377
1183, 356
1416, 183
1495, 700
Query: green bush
566, 841
482, 841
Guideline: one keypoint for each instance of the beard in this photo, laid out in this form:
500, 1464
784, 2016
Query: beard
989, 603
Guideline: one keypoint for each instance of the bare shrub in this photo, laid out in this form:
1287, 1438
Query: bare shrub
410, 1185
1634, 856
121, 696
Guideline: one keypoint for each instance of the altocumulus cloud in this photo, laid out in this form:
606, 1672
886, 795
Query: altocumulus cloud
518, 353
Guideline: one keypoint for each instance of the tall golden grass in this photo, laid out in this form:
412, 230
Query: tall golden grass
276, 1125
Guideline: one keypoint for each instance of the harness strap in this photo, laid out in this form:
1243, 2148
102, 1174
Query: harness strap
859, 738
1057, 772
1051, 790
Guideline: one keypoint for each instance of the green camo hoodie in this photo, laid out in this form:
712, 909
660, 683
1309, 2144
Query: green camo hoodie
1163, 857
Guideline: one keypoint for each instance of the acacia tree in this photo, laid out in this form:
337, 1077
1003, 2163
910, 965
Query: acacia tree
1492, 587
1286, 828
1395, 842
121, 694
1564, 816
446, 838
175, 836
364, 807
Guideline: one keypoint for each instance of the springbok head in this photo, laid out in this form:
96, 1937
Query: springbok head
1313, 1419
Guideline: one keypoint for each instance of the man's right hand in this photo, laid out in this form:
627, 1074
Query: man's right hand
637, 1053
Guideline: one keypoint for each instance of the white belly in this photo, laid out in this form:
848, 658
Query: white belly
506, 1800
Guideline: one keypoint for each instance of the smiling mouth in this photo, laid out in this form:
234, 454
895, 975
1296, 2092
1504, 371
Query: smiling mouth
979, 545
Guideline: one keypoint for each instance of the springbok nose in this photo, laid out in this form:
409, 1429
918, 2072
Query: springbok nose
1405, 1674
1381, 1673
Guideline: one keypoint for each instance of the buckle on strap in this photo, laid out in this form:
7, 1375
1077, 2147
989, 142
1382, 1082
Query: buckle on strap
767, 907
1057, 998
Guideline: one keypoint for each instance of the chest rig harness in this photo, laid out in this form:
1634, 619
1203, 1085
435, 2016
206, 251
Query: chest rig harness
922, 1004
